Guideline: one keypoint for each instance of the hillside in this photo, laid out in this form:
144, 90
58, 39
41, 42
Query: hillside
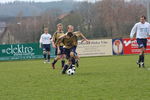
34, 8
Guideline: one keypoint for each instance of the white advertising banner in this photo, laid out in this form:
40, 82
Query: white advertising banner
101, 47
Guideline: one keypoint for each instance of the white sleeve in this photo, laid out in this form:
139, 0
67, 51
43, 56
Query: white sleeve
50, 37
133, 31
40, 39
149, 30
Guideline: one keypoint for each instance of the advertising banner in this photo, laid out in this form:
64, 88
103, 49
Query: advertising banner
95, 48
21, 51
117, 46
131, 47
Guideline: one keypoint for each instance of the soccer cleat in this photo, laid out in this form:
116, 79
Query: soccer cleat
45, 61
53, 66
63, 72
73, 68
62, 63
142, 64
65, 69
138, 63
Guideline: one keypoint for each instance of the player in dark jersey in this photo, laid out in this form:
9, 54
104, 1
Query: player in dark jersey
59, 47
70, 42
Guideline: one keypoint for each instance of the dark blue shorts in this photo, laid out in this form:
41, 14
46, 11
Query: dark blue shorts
68, 51
62, 50
74, 50
46, 47
142, 43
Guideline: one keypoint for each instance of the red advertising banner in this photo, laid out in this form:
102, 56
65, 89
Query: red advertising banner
131, 47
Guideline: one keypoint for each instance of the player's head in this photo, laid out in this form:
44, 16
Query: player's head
70, 28
142, 19
59, 27
45, 30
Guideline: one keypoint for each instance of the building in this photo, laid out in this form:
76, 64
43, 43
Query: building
5, 36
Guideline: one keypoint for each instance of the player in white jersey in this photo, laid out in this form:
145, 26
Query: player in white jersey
142, 30
45, 41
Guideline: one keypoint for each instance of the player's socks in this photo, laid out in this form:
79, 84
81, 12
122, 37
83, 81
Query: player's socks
44, 56
62, 63
77, 63
53, 63
140, 60
73, 61
72, 66
65, 68
48, 59
45, 60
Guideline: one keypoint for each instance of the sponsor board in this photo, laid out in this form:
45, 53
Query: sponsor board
21, 51
131, 47
95, 48
117, 46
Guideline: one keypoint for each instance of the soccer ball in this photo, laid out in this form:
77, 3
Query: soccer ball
70, 72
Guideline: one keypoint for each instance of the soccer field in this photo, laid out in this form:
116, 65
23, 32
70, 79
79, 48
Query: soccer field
97, 78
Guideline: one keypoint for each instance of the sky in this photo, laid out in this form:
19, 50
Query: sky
5, 1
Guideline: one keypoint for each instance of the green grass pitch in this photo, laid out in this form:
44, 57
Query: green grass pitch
97, 78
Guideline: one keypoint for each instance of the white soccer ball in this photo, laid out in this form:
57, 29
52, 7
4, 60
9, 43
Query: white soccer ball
70, 72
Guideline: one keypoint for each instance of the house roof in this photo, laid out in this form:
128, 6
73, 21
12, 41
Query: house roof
2, 25
62, 16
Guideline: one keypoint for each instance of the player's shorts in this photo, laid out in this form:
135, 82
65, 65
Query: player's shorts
68, 51
142, 43
74, 50
46, 47
62, 50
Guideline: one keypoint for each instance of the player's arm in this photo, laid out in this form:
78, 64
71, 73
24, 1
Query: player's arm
79, 34
53, 40
40, 42
63, 36
133, 31
60, 39
53, 44
84, 38
50, 39
149, 30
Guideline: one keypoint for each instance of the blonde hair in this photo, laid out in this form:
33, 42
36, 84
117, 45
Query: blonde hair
70, 26
60, 24
45, 29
